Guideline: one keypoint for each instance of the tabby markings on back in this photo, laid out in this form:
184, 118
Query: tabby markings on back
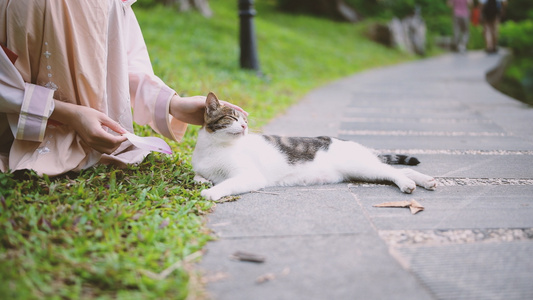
299, 149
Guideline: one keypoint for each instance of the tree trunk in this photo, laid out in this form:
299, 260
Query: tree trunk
347, 12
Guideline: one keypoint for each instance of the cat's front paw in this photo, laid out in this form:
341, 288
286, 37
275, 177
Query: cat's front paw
200, 179
211, 194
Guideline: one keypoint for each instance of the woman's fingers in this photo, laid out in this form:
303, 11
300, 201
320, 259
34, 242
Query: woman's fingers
90, 127
111, 124
225, 103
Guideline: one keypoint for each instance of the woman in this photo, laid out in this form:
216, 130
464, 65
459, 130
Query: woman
71, 72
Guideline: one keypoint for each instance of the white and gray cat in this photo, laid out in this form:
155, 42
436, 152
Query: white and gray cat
237, 162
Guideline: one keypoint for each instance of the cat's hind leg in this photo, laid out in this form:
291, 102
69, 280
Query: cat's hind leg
382, 172
363, 164
423, 180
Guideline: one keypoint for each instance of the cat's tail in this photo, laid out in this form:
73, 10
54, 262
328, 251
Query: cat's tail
399, 159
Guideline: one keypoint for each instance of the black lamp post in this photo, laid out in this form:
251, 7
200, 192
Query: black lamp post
249, 58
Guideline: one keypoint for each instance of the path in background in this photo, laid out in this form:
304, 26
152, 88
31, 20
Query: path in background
473, 241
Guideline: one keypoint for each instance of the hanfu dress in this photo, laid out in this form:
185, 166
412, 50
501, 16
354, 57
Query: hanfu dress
86, 52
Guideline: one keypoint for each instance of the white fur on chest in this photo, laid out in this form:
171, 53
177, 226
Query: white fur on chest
250, 154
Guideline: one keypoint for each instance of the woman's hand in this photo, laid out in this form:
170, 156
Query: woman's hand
89, 125
191, 109
188, 109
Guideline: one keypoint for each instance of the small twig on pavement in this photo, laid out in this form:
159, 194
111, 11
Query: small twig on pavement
263, 192
246, 256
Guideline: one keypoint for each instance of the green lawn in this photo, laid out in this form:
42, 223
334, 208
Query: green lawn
111, 233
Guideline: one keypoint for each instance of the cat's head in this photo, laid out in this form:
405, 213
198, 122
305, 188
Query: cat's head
222, 121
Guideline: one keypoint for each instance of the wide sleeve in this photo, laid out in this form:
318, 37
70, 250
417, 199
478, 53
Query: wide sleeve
27, 106
150, 96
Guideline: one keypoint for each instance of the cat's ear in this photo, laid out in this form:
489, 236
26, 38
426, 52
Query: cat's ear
211, 103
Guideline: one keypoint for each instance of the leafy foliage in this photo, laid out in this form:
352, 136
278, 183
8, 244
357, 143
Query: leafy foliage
518, 36
436, 13
519, 10
517, 81
518, 78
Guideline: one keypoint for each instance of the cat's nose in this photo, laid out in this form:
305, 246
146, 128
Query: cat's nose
244, 126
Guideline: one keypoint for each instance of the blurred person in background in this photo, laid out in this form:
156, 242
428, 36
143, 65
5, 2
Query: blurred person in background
491, 12
461, 23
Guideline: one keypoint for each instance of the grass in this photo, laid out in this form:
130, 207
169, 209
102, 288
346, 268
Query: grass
105, 232
100, 233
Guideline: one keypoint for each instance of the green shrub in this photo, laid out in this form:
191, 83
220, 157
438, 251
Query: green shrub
518, 79
440, 25
518, 36
476, 40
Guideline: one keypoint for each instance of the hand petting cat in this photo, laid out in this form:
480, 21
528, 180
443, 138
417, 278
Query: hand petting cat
191, 109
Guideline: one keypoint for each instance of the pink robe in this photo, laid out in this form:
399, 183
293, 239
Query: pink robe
460, 8
86, 52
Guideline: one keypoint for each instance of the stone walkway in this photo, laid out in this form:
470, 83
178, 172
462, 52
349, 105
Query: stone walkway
474, 240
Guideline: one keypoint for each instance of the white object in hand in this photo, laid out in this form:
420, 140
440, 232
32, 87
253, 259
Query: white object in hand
151, 143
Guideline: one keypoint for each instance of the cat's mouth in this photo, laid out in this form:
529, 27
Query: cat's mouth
237, 133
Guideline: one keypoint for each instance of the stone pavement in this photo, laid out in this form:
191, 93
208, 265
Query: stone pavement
473, 241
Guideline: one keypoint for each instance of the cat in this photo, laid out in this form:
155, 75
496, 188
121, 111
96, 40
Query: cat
237, 162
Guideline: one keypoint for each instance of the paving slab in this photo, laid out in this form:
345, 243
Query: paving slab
437, 141
473, 271
438, 125
310, 267
481, 206
515, 164
318, 210
473, 240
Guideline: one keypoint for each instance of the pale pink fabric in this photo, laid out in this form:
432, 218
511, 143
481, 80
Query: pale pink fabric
87, 52
460, 8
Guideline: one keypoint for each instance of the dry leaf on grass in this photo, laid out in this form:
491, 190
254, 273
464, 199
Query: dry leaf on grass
413, 205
